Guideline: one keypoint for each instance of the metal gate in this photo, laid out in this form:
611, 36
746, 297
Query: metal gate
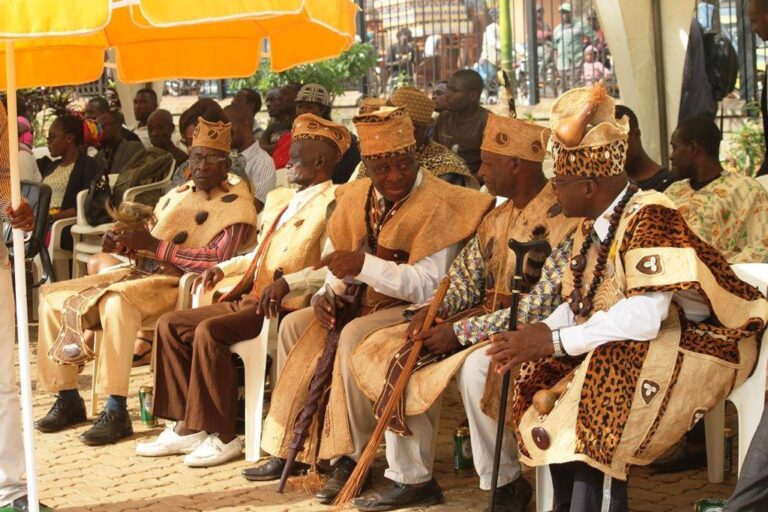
423, 42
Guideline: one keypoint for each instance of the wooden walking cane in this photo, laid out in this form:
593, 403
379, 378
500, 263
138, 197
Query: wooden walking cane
521, 249
319, 386
357, 478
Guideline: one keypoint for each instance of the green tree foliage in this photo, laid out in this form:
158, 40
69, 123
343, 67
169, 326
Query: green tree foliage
333, 74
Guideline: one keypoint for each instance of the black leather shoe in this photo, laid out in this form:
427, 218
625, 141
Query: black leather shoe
22, 505
396, 496
272, 470
513, 497
339, 475
63, 414
688, 454
110, 427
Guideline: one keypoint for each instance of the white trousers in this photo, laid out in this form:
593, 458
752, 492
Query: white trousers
12, 469
410, 459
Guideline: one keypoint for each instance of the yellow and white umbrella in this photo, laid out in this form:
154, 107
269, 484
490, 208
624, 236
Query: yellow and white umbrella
64, 42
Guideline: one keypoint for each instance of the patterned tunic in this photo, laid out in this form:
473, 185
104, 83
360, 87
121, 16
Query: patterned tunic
730, 213
467, 290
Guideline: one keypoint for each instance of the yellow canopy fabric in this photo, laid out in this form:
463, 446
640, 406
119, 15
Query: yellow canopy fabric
63, 42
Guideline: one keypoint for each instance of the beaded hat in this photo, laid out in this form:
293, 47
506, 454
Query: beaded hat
587, 139
418, 105
310, 126
385, 132
216, 135
509, 136
314, 93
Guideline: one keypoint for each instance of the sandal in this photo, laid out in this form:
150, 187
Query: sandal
142, 358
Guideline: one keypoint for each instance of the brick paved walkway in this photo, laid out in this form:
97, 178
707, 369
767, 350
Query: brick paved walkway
74, 477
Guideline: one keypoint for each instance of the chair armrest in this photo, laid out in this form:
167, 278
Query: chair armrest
56, 230
205, 298
132, 193
186, 285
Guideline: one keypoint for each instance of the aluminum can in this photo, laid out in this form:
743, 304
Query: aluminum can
710, 505
462, 453
728, 453
146, 398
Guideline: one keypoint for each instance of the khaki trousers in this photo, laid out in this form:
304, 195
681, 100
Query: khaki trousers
359, 408
119, 321
12, 485
410, 459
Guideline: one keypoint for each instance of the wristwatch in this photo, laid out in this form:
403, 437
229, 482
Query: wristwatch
557, 345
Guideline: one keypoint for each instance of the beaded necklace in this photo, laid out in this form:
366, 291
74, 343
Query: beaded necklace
581, 304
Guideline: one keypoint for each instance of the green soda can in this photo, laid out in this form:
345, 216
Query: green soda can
462, 452
710, 505
146, 394
728, 453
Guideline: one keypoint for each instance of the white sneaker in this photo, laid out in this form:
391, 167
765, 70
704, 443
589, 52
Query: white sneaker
213, 452
170, 443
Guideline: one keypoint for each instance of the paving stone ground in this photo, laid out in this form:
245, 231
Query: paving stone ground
74, 477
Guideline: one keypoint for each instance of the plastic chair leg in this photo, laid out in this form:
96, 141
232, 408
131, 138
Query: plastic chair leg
544, 490
254, 355
749, 409
714, 428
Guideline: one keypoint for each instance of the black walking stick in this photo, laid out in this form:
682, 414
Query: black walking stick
521, 249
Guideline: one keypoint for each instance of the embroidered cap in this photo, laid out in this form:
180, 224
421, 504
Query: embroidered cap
509, 136
384, 133
418, 105
314, 93
216, 135
310, 126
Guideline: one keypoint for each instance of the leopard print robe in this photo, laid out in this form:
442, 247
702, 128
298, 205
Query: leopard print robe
627, 402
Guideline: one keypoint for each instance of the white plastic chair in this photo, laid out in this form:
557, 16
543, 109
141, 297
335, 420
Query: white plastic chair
86, 239
253, 352
59, 256
748, 398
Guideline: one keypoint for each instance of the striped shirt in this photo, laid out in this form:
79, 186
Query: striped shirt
223, 247
260, 168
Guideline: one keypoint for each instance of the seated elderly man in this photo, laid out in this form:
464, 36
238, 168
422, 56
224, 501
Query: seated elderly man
195, 379
199, 224
390, 239
433, 157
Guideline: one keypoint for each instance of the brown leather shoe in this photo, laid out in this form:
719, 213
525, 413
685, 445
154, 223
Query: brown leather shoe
340, 473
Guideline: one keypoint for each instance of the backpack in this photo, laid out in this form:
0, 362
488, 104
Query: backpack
145, 167
722, 63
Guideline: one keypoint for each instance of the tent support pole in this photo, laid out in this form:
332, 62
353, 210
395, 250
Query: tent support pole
22, 326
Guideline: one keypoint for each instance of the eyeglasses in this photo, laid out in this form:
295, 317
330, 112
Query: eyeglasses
196, 160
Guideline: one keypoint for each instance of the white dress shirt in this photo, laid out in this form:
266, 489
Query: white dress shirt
260, 168
412, 283
635, 318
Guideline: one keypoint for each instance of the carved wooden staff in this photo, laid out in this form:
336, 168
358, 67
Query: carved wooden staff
521, 249
319, 386
357, 478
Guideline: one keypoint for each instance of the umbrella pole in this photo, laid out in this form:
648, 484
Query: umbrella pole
21, 284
